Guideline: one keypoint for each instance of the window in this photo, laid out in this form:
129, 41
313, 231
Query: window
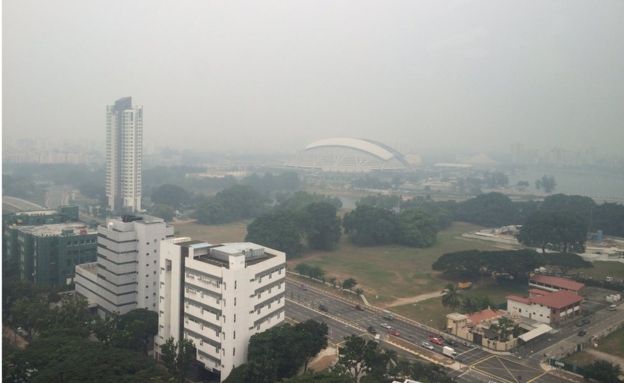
234, 336
234, 318
233, 351
147, 286
234, 285
234, 301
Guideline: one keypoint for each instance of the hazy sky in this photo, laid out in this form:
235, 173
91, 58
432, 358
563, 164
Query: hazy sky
275, 75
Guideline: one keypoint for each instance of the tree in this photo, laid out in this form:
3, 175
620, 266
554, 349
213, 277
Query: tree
358, 357
279, 230
177, 357
280, 352
300, 200
491, 210
165, 212
451, 297
231, 204
370, 226
602, 371
472, 263
322, 226
547, 183
73, 359
320, 377
31, 315
495, 179
171, 195
349, 283
417, 229
562, 230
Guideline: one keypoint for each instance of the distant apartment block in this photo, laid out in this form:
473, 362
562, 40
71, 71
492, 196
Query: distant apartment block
125, 276
218, 296
124, 155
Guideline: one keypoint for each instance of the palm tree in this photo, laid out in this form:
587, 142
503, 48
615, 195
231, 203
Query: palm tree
451, 297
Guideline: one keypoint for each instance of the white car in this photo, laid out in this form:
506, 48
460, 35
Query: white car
427, 345
386, 326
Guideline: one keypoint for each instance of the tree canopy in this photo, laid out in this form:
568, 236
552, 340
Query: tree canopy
76, 359
232, 204
370, 226
171, 195
321, 225
561, 230
280, 352
279, 230
491, 209
515, 263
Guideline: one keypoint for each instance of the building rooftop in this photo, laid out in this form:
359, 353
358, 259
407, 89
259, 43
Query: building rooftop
89, 267
69, 228
555, 300
484, 315
559, 282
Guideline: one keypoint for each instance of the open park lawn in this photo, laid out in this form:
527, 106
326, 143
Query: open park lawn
613, 343
604, 269
429, 312
389, 272
231, 232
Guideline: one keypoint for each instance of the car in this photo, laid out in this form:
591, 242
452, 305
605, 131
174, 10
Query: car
582, 333
372, 330
394, 332
579, 323
302, 287
451, 342
359, 308
437, 341
586, 321
323, 308
427, 345
612, 307
385, 325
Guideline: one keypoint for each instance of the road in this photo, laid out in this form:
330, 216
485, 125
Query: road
343, 319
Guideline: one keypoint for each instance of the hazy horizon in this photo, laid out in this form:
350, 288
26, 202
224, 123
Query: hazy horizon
262, 76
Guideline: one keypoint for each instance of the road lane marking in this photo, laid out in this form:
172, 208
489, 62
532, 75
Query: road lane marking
506, 369
537, 377
483, 360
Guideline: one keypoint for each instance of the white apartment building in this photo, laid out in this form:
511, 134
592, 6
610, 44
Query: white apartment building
124, 155
125, 276
218, 296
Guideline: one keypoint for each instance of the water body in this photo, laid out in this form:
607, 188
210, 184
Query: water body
600, 185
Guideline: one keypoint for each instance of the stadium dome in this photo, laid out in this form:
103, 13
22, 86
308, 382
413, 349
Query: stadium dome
354, 155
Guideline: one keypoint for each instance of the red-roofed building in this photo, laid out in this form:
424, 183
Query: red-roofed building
549, 307
484, 315
550, 283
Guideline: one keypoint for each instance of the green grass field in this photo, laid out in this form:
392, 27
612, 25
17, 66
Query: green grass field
231, 232
613, 343
604, 269
433, 313
389, 272
429, 312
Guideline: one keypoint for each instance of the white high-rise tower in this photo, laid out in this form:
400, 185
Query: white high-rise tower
124, 155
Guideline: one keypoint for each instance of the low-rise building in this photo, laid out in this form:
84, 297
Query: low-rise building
11, 222
546, 307
125, 276
46, 254
218, 296
551, 283
477, 328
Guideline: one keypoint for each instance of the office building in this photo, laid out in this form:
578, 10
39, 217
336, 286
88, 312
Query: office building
218, 296
125, 276
13, 220
46, 254
124, 156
